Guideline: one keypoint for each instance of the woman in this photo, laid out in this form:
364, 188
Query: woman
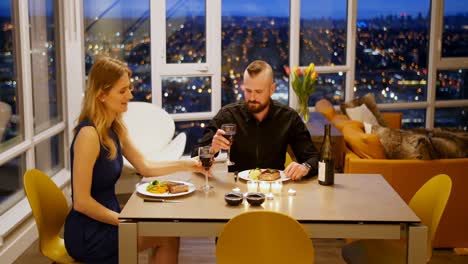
91, 233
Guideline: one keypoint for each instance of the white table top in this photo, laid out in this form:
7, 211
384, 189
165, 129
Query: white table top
354, 198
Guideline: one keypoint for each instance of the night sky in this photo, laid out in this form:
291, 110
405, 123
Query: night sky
279, 8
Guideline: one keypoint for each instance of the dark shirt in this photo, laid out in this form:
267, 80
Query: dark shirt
263, 144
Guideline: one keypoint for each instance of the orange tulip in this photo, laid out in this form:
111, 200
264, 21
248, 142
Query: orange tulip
297, 70
314, 76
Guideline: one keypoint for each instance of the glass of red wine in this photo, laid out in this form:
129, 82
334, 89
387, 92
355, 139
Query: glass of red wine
206, 158
229, 132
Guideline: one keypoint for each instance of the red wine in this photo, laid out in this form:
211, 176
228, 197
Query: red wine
206, 161
326, 175
229, 136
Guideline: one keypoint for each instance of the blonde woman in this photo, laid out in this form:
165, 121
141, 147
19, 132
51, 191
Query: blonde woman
100, 140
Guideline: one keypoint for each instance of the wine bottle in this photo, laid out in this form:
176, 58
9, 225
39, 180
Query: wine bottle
326, 172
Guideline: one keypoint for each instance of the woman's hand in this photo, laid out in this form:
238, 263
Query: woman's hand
194, 165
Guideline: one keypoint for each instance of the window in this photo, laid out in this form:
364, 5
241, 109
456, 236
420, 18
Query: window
39, 143
186, 94
120, 29
46, 99
323, 33
330, 86
193, 130
49, 154
452, 85
455, 31
392, 50
323, 41
185, 31
199, 50
186, 78
453, 117
11, 182
10, 124
412, 118
251, 33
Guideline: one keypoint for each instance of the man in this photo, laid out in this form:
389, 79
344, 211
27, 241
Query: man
265, 128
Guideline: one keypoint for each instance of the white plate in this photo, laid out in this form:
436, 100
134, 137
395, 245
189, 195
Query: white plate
245, 176
142, 189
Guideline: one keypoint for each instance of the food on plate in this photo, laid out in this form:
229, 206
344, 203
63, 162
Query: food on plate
156, 187
166, 186
177, 187
264, 174
253, 174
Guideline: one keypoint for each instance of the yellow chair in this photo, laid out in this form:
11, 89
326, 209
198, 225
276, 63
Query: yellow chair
264, 237
49, 209
428, 203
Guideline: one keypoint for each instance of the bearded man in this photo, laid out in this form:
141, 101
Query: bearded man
265, 128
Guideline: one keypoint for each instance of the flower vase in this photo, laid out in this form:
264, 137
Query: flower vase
304, 109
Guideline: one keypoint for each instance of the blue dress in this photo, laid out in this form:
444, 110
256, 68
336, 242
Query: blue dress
88, 240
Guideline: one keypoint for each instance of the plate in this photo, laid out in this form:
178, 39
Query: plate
245, 176
142, 190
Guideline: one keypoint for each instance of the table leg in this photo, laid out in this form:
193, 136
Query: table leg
417, 244
128, 242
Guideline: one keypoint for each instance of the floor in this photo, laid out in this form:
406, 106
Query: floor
202, 251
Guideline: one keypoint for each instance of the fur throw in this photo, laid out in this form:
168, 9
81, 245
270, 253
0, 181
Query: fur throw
422, 144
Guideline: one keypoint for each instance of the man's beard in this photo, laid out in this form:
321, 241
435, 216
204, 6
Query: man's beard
256, 107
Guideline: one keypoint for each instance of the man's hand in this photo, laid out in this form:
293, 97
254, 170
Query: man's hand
219, 142
296, 171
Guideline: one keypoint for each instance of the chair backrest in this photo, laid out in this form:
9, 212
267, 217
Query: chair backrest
5, 115
149, 126
429, 204
49, 208
264, 237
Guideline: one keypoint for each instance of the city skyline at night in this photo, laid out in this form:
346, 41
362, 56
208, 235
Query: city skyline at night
391, 54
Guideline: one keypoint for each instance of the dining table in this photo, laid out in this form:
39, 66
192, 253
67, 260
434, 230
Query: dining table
358, 206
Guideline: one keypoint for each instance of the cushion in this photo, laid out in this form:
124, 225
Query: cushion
403, 144
362, 113
368, 128
326, 108
369, 101
340, 122
366, 146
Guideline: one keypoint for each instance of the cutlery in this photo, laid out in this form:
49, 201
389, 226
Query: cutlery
161, 201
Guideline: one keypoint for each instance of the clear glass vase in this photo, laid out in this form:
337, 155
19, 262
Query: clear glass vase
303, 109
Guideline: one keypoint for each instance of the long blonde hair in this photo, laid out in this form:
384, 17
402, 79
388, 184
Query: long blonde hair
102, 77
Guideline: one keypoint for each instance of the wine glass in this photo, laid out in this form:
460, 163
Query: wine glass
230, 131
206, 158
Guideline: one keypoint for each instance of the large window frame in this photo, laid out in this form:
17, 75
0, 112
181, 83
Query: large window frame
29, 141
436, 62
211, 68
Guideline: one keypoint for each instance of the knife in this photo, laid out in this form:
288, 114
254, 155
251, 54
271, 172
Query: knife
161, 201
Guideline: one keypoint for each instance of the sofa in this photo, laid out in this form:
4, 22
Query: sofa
364, 154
